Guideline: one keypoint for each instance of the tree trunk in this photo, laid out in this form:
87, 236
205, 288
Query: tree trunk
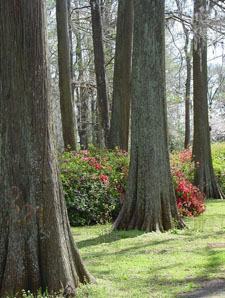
119, 129
150, 202
70, 28
204, 176
37, 249
188, 56
82, 96
100, 68
187, 102
65, 86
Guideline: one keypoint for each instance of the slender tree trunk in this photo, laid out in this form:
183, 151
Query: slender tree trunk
204, 176
70, 30
150, 202
188, 56
93, 119
82, 96
65, 80
187, 102
100, 68
119, 129
37, 249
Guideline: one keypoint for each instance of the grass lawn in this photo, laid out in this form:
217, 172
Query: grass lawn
137, 264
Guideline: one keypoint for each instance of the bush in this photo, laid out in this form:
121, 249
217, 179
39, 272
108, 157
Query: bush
218, 156
190, 200
94, 182
181, 161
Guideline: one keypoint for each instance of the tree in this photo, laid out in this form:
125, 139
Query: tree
36, 245
81, 91
188, 58
103, 107
119, 129
204, 176
65, 87
150, 202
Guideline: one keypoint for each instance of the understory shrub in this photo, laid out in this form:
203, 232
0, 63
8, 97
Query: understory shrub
181, 161
94, 183
218, 156
190, 200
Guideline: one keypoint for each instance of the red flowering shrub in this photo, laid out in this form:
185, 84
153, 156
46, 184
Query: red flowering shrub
94, 183
190, 200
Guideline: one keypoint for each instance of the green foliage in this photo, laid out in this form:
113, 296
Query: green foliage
218, 156
94, 182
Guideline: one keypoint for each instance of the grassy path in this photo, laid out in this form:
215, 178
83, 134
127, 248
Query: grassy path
136, 264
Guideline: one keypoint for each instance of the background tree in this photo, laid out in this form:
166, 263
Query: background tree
119, 129
37, 249
100, 69
188, 57
204, 176
65, 79
150, 202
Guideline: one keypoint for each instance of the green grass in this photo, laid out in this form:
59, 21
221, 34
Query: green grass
137, 264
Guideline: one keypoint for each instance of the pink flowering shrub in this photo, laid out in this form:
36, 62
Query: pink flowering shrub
94, 183
182, 162
190, 200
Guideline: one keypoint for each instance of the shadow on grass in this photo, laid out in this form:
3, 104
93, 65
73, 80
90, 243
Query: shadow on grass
209, 288
109, 238
116, 236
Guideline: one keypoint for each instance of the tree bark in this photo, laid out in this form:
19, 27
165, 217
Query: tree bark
187, 137
150, 202
103, 107
37, 249
65, 86
188, 57
82, 96
204, 176
119, 129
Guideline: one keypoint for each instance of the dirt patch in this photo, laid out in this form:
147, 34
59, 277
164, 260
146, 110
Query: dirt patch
210, 289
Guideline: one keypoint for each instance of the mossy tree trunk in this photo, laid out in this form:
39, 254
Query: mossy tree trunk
37, 249
119, 129
204, 176
99, 60
150, 202
65, 86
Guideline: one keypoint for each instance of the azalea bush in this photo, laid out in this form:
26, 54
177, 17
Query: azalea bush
182, 161
94, 183
190, 200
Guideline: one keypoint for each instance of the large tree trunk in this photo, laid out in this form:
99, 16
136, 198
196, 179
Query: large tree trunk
103, 107
119, 129
204, 176
65, 86
150, 202
37, 249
